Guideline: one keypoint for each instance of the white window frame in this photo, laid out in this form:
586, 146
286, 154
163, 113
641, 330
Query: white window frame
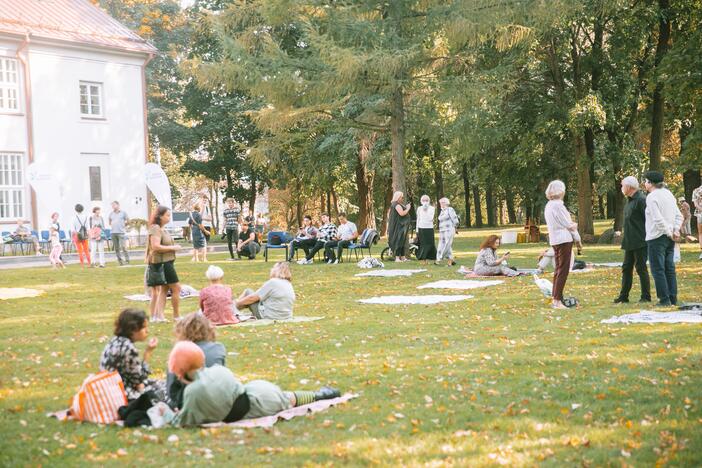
12, 188
89, 100
9, 85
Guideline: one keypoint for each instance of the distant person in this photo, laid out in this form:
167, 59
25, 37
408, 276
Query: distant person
260, 225
197, 328
24, 234
231, 226
275, 299
488, 263
197, 233
685, 227
97, 239
663, 220
327, 233
346, 233
216, 299
448, 223
425, 230
247, 245
562, 233
161, 275
56, 248
697, 201
118, 220
80, 235
306, 238
634, 242
398, 226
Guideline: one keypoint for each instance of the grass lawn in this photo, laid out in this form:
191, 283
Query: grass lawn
499, 379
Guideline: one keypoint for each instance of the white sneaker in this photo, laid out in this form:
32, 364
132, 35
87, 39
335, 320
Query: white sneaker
301, 261
309, 262
336, 262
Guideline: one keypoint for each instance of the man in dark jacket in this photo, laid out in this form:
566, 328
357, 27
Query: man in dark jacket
634, 242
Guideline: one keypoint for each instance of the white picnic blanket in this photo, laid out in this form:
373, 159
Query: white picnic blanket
389, 273
185, 292
435, 299
649, 316
263, 322
460, 284
608, 264
18, 293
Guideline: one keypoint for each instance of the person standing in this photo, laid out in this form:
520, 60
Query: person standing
697, 201
56, 248
562, 232
231, 225
685, 228
398, 225
97, 241
118, 220
197, 233
448, 223
161, 275
80, 235
634, 242
425, 231
663, 221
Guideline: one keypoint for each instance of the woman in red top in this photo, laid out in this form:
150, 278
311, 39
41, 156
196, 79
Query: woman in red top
216, 299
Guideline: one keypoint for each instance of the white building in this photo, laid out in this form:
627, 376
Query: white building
72, 100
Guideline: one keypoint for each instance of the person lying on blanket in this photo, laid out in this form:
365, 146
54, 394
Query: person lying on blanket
548, 259
216, 299
488, 263
197, 328
275, 299
122, 356
214, 394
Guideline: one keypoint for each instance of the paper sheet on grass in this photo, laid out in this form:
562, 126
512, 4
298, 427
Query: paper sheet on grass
248, 322
18, 293
389, 273
431, 299
460, 284
608, 264
649, 316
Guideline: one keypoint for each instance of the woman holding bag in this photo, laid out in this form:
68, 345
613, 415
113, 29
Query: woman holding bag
161, 274
97, 237
198, 234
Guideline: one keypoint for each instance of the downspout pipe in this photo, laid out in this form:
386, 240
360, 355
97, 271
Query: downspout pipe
23, 56
148, 60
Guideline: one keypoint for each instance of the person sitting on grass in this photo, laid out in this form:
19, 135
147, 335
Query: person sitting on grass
275, 299
247, 245
488, 264
122, 356
196, 328
547, 259
216, 299
306, 238
214, 394
327, 233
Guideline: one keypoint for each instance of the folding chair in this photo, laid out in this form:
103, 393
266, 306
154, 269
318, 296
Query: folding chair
369, 237
275, 236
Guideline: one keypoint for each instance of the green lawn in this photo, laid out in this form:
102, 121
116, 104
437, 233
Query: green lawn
499, 379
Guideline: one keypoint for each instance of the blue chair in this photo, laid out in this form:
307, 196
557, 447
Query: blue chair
107, 235
4, 235
45, 241
67, 243
368, 238
284, 242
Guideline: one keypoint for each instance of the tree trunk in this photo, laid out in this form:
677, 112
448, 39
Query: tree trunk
397, 131
585, 224
511, 212
490, 204
364, 184
466, 192
329, 210
252, 196
336, 201
478, 208
386, 207
657, 108
438, 174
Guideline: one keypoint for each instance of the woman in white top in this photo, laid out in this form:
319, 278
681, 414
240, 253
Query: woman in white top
425, 231
562, 232
97, 238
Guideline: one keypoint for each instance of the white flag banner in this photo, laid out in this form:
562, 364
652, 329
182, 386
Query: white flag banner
157, 182
45, 184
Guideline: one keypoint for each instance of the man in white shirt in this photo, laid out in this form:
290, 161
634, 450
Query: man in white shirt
346, 234
663, 221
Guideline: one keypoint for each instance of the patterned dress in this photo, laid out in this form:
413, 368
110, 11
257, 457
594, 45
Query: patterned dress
486, 265
121, 355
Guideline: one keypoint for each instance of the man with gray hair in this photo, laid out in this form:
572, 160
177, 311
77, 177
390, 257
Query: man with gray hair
634, 242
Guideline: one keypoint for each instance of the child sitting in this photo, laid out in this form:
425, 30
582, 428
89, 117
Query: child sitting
121, 355
213, 394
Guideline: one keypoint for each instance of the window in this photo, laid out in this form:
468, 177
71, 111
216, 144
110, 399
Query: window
90, 99
11, 186
9, 85
95, 183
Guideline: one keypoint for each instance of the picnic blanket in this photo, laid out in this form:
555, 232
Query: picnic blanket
389, 273
649, 316
468, 273
608, 265
459, 284
435, 299
250, 322
266, 421
185, 292
18, 293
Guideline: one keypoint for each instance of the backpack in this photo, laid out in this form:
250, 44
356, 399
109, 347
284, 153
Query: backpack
82, 233
276, 240
99, 397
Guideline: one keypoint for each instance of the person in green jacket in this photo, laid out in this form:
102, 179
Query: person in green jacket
214, 394
634, 242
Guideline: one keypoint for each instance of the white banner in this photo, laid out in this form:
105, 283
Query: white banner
47, 187
157, 182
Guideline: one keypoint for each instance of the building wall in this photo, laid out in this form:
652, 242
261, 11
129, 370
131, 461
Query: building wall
67, 144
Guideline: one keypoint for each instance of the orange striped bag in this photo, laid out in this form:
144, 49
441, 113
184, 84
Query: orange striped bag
99, 397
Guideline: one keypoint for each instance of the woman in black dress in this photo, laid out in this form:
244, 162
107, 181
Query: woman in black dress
398, 225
